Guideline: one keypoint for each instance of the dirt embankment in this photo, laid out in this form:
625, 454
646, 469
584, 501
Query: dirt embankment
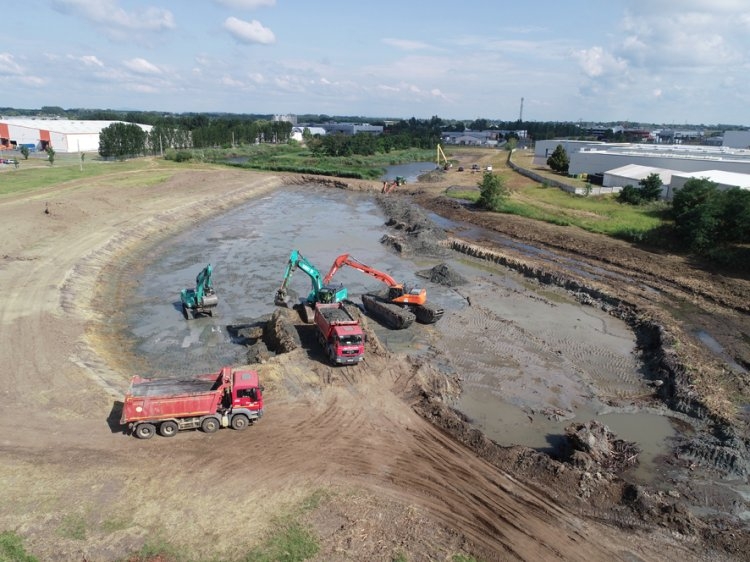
395, 468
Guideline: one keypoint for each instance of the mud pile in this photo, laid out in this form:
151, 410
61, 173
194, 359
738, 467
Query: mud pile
443, 274
591, 446
415, 232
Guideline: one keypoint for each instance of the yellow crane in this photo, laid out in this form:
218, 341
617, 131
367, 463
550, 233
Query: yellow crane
441, 156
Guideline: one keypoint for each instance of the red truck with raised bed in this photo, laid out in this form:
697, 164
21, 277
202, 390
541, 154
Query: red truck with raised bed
230, 398
339, 333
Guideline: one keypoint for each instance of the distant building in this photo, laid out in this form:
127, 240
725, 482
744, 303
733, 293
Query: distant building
597, 159
632, 174
300, 129
736, 139
288, 118
62, 135
723, 180
352, 128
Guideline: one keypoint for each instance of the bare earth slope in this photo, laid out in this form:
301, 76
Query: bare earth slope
394, 471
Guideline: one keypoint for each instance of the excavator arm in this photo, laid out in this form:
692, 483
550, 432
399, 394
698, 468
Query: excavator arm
396, 291
320, 291
203, 282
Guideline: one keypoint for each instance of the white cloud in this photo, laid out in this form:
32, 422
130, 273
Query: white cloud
406, 44
249, 32
596, 62
141, 66
246, 4
91, 60
109, 14
8, 65
231, 82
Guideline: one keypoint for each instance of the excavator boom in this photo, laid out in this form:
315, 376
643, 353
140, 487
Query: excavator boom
390, 308
201, 299
320, 292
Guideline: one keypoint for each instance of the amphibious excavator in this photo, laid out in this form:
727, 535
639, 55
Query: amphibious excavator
399, 306
320, 292
202, 299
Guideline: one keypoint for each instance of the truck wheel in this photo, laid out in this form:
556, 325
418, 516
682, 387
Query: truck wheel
210, 425
168, 429
145, 431
332, 356
240, 422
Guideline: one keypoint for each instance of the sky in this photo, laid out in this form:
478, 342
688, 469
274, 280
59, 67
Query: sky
650, 61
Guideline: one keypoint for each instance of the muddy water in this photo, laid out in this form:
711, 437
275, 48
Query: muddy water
532, 359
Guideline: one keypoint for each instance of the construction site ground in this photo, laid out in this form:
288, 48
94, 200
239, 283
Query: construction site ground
372, 458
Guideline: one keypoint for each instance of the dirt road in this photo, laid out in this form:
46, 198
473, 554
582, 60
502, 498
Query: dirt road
392, 469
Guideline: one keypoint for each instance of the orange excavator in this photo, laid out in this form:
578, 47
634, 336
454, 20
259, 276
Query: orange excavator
399, 306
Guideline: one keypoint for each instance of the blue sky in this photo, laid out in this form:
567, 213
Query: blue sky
663, 61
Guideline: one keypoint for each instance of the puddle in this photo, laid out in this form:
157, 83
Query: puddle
717, 349
519, 347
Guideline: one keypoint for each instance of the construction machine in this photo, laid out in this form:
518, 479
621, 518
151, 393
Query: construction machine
320, 293
446, 165
399, 306
202, 299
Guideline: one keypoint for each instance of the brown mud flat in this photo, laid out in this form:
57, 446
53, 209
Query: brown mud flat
395, 469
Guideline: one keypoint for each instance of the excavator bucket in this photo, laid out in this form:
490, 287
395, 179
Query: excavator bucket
281, 298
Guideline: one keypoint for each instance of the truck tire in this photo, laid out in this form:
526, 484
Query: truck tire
332, 356
168, 428
240, 422
145, 431
210, 425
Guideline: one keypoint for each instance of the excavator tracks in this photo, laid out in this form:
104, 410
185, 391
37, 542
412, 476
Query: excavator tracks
392, 315
427, 313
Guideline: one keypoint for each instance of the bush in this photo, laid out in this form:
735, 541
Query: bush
492, 192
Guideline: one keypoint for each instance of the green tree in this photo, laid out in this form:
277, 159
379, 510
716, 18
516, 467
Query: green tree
122, 140
25, 152
50, 155
695, 212
651, 187
559, 160
630, 195
492, 192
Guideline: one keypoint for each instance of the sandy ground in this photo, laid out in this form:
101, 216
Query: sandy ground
397, 472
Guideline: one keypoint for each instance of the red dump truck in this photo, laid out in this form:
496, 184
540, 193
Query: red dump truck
339, 333
229, 398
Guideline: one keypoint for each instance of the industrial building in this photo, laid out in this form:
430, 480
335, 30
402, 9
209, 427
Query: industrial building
62, 135
736, 139
595, 157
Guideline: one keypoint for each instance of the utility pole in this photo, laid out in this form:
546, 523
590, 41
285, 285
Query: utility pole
520, 113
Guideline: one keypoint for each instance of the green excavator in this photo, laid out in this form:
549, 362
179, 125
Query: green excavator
202, 299
320, 292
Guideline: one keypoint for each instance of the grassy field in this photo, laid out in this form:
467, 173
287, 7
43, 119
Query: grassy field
37, 173
600, 214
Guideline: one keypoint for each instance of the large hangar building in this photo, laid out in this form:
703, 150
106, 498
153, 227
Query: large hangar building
62, 135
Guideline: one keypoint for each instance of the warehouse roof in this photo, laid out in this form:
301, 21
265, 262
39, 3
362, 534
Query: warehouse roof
63, 126
720, 177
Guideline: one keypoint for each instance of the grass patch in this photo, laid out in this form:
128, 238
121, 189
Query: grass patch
598, 214
158, 549
73, 527
296, 159
291, 543
139, 171
115, 524
12, 549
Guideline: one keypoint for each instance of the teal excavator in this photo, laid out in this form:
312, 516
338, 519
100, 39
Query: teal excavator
202, 299
320, 292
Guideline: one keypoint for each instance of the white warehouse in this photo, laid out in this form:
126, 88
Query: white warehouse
61, 134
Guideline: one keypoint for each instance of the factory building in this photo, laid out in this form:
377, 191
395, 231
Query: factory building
61, 134
682, 158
